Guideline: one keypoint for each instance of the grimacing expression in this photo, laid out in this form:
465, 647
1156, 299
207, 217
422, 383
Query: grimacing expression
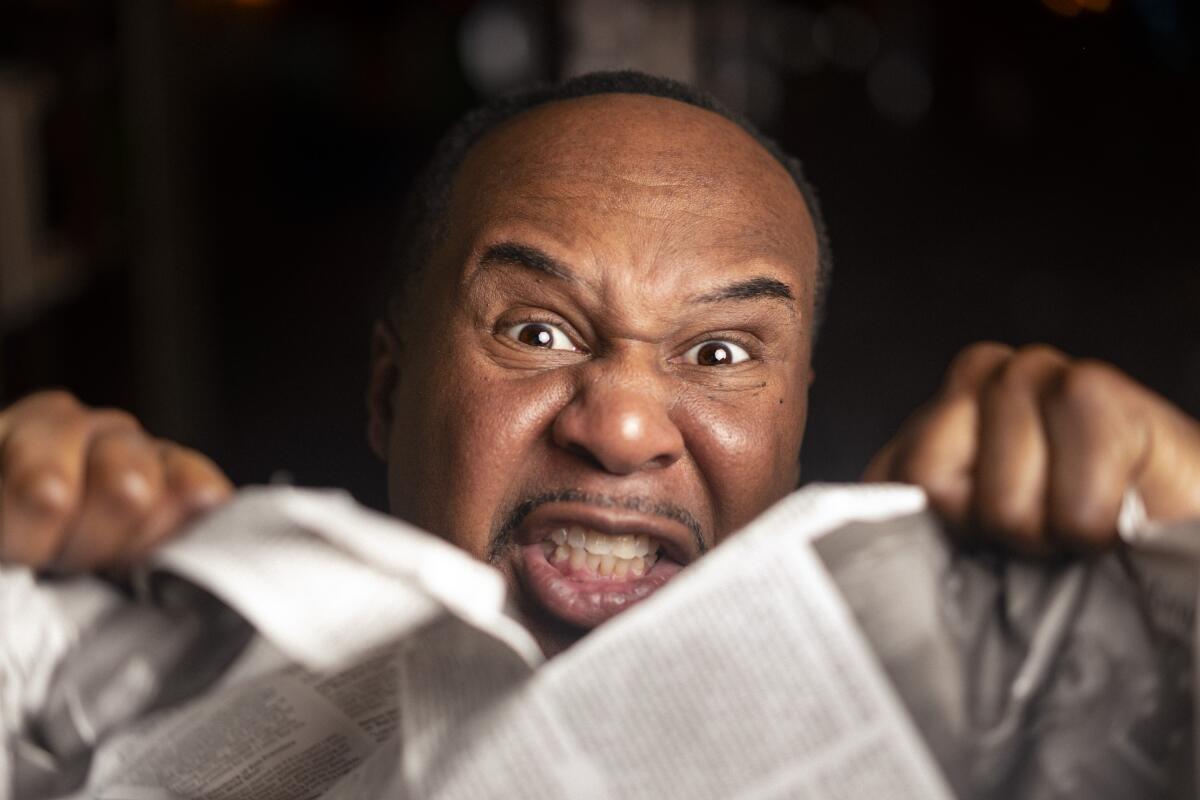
603, 369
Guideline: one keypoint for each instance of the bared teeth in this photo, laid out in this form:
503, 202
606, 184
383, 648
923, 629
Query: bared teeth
598, 543
616, 557
576, 537
578, 557
625, 546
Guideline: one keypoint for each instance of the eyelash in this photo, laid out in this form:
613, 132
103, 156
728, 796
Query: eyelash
507, 324
751, 346
747, 343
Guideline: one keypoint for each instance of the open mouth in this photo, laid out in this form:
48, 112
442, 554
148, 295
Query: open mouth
590, 555
584, 575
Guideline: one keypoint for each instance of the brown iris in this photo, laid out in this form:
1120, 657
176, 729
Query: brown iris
714, 354
536, 335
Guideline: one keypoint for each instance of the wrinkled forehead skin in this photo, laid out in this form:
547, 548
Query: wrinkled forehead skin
613, 174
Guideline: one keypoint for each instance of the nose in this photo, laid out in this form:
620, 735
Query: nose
622, 428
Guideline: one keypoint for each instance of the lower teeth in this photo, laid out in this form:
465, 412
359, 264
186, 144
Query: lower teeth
600, 566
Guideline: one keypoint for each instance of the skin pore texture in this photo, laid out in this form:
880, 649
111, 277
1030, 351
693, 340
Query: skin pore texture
613, 336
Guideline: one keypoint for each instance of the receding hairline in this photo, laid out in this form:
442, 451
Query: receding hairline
731, 131
497, 160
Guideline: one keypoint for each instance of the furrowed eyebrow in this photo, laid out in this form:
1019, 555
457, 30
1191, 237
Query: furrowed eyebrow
750, 289
524, 255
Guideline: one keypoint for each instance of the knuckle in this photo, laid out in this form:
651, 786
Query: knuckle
116, 418
1024, 371
59, 400
986, 349
1040, 351
968, 369
978, 353
1011, 377
42, 492
124, 492
1085, 383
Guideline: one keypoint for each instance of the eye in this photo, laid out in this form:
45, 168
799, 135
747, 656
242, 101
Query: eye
541, 334
716, 353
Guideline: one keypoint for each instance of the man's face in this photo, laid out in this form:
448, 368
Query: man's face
603, 370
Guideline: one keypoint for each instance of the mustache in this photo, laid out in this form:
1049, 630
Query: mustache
641, 504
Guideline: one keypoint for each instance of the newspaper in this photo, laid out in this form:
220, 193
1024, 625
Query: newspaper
838, 647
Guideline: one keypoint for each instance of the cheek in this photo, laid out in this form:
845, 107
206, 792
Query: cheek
470, 448
747, 448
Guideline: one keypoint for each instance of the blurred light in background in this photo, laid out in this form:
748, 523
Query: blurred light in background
900, 88
499, 47
732, 65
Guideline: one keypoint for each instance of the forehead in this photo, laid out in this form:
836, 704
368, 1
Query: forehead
625, 172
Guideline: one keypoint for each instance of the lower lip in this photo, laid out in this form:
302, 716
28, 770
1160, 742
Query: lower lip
583, 602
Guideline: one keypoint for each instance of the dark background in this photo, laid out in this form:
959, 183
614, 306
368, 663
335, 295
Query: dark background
196, 197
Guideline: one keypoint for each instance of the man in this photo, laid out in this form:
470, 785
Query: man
596, 366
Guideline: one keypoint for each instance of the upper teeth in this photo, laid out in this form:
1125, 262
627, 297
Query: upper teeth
599, 554
626, 546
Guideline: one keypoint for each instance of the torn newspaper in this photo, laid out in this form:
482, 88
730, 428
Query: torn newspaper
838, 647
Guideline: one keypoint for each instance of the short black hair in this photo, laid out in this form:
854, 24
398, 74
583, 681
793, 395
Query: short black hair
422, 220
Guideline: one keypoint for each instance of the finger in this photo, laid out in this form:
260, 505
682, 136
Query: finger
1094, 455
41, 465
881, 466
192, 484
1169, 478
972, 367
124, 482
194, 479
966, 374
939, 454
1012, 464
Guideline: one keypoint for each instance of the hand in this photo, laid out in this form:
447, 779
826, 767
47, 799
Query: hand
1037, 449
83, 488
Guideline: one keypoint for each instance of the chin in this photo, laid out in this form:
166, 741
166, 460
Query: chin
553, 635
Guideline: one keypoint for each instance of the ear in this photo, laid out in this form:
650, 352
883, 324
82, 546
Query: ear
381, 386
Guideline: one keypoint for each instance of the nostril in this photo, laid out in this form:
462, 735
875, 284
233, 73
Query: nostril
578, 450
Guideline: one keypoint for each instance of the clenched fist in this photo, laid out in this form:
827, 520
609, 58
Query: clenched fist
84, 488
1036, 449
